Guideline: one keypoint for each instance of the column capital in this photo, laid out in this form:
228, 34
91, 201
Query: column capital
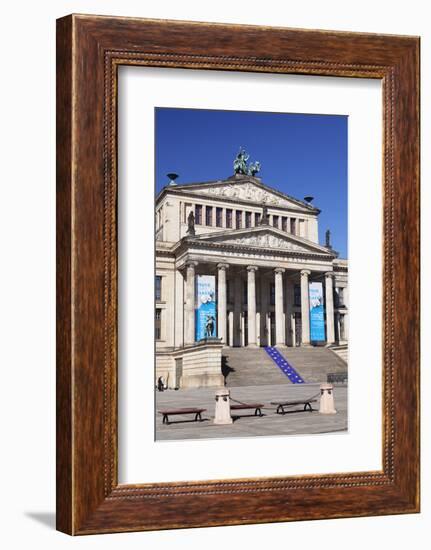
222, 266
191, 264
279, 270
329, 274
252, 268
305, 272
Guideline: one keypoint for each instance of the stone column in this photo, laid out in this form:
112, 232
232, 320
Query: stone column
242, 333
305, 307
329, 290
263, 311
230, 332
293, 328
337, 326
222, 302
189, 309
268, 329
237, 299
346, 315
290, 337
280, 339
251, 305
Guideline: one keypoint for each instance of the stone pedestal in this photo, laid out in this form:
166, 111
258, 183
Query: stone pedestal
327, 399
200, 364
222, 407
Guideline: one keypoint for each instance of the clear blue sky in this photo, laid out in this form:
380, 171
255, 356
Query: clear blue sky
299, 154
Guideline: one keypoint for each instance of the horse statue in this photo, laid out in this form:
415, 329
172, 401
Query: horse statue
240, 164
254, 168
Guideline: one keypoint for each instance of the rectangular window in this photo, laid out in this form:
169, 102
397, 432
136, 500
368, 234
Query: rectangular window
238, 219
208, 215
229, 291
198, 214
248, 219
257, 218
297, 295
293, 226
158, 286
219, 217
284, 223
228, 218
158, 324
272, 294
275, 221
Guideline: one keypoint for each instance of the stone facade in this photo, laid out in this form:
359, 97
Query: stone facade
262, 272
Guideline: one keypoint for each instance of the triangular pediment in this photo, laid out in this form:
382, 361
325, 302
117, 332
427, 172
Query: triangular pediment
246, 189
265, 237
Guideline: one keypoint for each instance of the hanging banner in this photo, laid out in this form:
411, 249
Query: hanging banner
317, 315
206, 325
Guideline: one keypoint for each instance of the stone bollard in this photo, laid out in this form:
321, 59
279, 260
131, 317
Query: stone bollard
222, 407
327, 399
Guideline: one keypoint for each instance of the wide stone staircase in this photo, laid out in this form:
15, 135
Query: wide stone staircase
250, 367
342, 351
314, 363
253, 367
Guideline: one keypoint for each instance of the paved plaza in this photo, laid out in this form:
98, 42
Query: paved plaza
246, 424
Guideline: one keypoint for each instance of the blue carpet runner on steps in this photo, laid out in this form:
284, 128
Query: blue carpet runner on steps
284, 365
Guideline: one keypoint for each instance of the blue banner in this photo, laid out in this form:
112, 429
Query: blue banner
206, 316
317, 314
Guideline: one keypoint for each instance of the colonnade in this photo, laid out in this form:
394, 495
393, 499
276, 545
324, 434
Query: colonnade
229, 335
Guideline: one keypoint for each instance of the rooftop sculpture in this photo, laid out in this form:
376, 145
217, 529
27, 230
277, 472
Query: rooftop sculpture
240, 165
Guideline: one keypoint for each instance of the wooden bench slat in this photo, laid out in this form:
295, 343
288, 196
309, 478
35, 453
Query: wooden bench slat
181, 411
243, 406
247, 406
287, 403
171, 412
282, 404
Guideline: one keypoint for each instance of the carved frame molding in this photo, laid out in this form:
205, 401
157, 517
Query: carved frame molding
90, 50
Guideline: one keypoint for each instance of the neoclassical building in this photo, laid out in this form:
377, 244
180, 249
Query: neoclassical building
261, 248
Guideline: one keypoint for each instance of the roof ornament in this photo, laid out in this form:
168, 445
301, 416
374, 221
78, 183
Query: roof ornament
191, 224
172, 177
240, 165
264, 220
328, 239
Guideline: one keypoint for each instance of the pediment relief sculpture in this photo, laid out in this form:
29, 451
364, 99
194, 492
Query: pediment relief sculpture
265, 241
244, 191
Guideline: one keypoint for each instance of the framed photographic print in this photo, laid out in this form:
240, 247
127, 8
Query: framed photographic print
238, 274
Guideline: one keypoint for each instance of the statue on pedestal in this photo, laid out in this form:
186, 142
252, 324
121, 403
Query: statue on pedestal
240, 164
264, 220
328, 239
191, 224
